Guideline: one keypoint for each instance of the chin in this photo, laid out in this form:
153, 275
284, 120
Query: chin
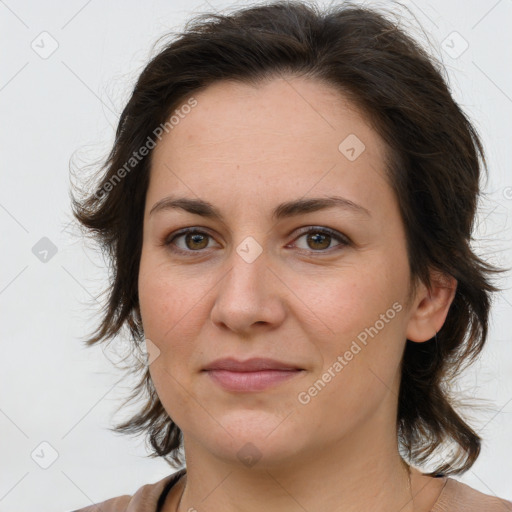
254, 439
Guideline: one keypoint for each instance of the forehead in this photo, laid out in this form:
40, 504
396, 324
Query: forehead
285, 136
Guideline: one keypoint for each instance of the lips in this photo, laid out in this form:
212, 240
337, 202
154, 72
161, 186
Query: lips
254, 374
254, 364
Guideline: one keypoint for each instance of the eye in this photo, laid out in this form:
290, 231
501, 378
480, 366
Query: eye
193, 240
319, 239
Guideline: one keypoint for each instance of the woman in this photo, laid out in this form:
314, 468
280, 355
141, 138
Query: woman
288, 207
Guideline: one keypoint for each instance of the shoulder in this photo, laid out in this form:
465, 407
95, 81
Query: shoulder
459, 497
145, 498
118, 504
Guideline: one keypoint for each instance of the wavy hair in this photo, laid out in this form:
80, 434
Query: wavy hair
434, 165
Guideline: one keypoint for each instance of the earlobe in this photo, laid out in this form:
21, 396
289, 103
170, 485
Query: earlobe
431, 307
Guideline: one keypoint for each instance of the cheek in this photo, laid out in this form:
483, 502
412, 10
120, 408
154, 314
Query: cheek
345, 303
359, 359
166, 323
165, 299
172, 316
359, 316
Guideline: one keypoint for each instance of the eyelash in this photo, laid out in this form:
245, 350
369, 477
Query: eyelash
344, 241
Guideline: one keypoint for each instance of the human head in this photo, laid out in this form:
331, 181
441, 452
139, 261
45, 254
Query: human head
433, 167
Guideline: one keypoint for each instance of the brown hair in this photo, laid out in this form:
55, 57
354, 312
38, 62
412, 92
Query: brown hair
435, 158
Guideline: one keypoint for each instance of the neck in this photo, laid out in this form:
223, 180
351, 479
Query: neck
357, 479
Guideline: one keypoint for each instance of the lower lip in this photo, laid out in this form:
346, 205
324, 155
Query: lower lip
251, 381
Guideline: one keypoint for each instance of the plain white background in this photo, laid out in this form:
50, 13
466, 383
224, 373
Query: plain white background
54, 390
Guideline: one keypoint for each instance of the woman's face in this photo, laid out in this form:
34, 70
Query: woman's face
322, 289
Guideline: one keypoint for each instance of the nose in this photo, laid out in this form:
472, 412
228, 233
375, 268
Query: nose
249, 295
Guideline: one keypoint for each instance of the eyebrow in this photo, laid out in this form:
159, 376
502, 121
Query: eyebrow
284, 210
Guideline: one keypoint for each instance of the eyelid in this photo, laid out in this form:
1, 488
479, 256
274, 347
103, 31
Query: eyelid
324, 229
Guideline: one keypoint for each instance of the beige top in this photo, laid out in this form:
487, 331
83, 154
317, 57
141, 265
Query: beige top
455, 497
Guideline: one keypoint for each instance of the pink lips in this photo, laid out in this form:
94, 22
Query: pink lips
254, 374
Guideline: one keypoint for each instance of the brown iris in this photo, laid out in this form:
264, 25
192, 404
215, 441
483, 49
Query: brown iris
196, 238
317, 237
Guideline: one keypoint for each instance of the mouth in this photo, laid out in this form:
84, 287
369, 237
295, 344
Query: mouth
254, 364
247, 381
255, 374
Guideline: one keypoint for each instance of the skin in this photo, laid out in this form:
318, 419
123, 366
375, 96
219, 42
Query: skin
245, 150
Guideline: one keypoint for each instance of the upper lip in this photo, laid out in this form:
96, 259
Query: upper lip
250, 365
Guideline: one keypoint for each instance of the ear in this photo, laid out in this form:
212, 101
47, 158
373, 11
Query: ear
430, 307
